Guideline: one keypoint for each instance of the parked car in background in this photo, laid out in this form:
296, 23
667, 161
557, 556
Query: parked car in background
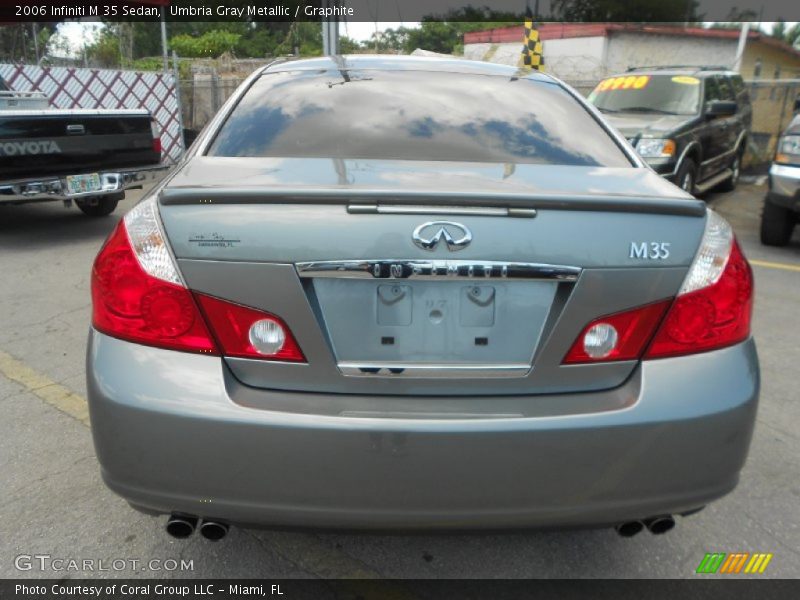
689, 123
84, 155
782, 204
370, 298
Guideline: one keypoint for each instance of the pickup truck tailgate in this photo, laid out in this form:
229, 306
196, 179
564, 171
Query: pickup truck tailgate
65, 142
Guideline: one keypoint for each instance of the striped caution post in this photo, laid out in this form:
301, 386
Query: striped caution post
532, 56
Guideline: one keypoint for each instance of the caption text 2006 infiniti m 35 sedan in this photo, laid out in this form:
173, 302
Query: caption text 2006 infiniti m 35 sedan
419, 293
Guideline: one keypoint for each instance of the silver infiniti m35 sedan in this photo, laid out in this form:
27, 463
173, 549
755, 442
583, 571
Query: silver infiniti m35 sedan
396, 292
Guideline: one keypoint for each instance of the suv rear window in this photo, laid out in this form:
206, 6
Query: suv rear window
414, 115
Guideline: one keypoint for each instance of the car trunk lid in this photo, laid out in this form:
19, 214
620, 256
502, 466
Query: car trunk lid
375, 311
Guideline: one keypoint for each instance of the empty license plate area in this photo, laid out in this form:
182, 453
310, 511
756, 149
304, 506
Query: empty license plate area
392, 324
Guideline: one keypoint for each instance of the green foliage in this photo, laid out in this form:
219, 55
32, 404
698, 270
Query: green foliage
157, 64
789, 35
105, 51
625, 10
18, 43
210, 45
348, 46
445, 36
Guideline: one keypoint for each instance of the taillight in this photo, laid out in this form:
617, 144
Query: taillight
712, 310
621, 336
245, 332
137, 294
156, 132
712, 317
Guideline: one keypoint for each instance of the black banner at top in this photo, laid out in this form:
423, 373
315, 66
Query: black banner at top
672, 11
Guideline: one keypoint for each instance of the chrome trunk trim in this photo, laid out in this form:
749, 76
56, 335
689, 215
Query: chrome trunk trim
404, 209
431, 370
435, 269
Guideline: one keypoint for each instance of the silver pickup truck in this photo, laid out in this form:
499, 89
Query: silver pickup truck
87, 156
782, 204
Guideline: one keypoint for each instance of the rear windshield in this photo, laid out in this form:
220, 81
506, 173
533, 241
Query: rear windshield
414, 115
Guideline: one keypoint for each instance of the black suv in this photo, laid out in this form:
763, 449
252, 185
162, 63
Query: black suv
689, 123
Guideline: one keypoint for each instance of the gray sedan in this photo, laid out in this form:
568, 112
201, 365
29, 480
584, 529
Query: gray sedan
394, 292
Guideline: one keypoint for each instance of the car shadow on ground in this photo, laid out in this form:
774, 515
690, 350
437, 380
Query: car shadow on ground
43, 224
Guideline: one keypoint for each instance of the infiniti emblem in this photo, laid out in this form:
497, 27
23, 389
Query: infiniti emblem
428, 235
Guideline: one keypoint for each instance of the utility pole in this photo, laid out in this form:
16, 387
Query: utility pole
737, 65
330, 33
36, 41
164, 39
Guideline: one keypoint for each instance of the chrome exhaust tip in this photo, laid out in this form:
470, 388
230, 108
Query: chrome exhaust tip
629, 528
181, 526
659, 525
213, 531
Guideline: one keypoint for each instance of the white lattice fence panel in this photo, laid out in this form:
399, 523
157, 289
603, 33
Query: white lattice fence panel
105, 88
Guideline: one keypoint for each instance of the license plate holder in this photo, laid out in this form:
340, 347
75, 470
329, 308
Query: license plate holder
434, 322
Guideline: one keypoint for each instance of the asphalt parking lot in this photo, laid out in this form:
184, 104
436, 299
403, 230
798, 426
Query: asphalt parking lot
52, 500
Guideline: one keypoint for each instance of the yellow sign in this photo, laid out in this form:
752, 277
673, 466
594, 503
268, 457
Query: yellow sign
686, 80
629, 82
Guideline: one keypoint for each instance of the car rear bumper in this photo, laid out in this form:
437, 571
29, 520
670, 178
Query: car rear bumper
175, 432
40, 189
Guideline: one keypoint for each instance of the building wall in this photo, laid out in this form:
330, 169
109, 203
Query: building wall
770, 59
635, 49
588, 59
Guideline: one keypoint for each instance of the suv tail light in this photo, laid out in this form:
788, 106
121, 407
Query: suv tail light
139, 296
712, 310
156, 136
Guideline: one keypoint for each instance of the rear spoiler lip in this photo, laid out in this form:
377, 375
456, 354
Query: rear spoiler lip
286, 195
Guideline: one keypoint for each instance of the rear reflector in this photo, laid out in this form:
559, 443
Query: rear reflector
245, 332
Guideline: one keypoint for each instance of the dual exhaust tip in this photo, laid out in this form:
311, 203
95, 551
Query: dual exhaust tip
655, 525
183, 526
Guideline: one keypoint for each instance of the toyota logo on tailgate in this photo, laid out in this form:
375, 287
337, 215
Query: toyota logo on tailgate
428, 235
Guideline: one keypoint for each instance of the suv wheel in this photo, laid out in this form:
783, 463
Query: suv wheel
777, 224
687, 176
736, 168
100, 206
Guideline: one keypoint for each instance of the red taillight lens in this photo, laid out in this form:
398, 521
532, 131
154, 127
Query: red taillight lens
245, 332
711, 317
130, 304
630, 332
156, 136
